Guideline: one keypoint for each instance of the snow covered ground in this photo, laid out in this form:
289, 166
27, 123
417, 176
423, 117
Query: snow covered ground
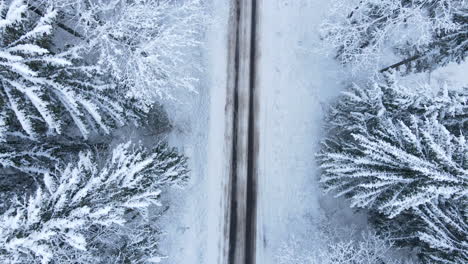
294, 82
192, 226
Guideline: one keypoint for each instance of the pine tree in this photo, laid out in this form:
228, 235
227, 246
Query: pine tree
427, 33
403, 156
143, 44
69, 218
92, 210
446, 231
44, 89
359, 108
399, 167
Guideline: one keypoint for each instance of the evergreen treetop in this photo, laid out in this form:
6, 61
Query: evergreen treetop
59, 221
403, 156
43, 89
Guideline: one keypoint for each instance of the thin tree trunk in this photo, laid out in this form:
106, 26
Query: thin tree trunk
405, 61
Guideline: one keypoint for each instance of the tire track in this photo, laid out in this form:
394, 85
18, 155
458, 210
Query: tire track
241, 135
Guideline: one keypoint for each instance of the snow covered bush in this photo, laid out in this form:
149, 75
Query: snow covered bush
340, 246
44, 89
428, 33
84, 205
404, 157
151, 46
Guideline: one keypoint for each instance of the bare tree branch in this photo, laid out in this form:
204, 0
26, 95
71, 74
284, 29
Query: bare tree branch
61, 25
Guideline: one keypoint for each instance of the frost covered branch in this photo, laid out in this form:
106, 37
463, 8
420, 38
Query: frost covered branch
340, 246
83, 198
364, 33
43, 90
145, 44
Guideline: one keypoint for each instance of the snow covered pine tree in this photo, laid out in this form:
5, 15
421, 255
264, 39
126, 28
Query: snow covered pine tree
426, 34
45, 93
92, 210
79, 213
42, 89
404, 156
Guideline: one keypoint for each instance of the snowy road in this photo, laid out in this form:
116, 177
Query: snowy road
241, 135
276, 85
253, 173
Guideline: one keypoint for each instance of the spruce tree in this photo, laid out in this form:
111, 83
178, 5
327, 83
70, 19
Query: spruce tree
83, 207
48, 96
404, 157
45, 89
52, 97
445, 234
447, 44
399, 167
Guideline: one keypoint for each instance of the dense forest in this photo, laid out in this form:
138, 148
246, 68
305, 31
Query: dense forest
76, 76
395, 144
90, 154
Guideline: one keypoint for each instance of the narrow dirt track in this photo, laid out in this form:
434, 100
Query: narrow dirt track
241, 135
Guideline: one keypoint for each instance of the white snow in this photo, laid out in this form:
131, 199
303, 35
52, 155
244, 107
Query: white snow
294, 81
193, 223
